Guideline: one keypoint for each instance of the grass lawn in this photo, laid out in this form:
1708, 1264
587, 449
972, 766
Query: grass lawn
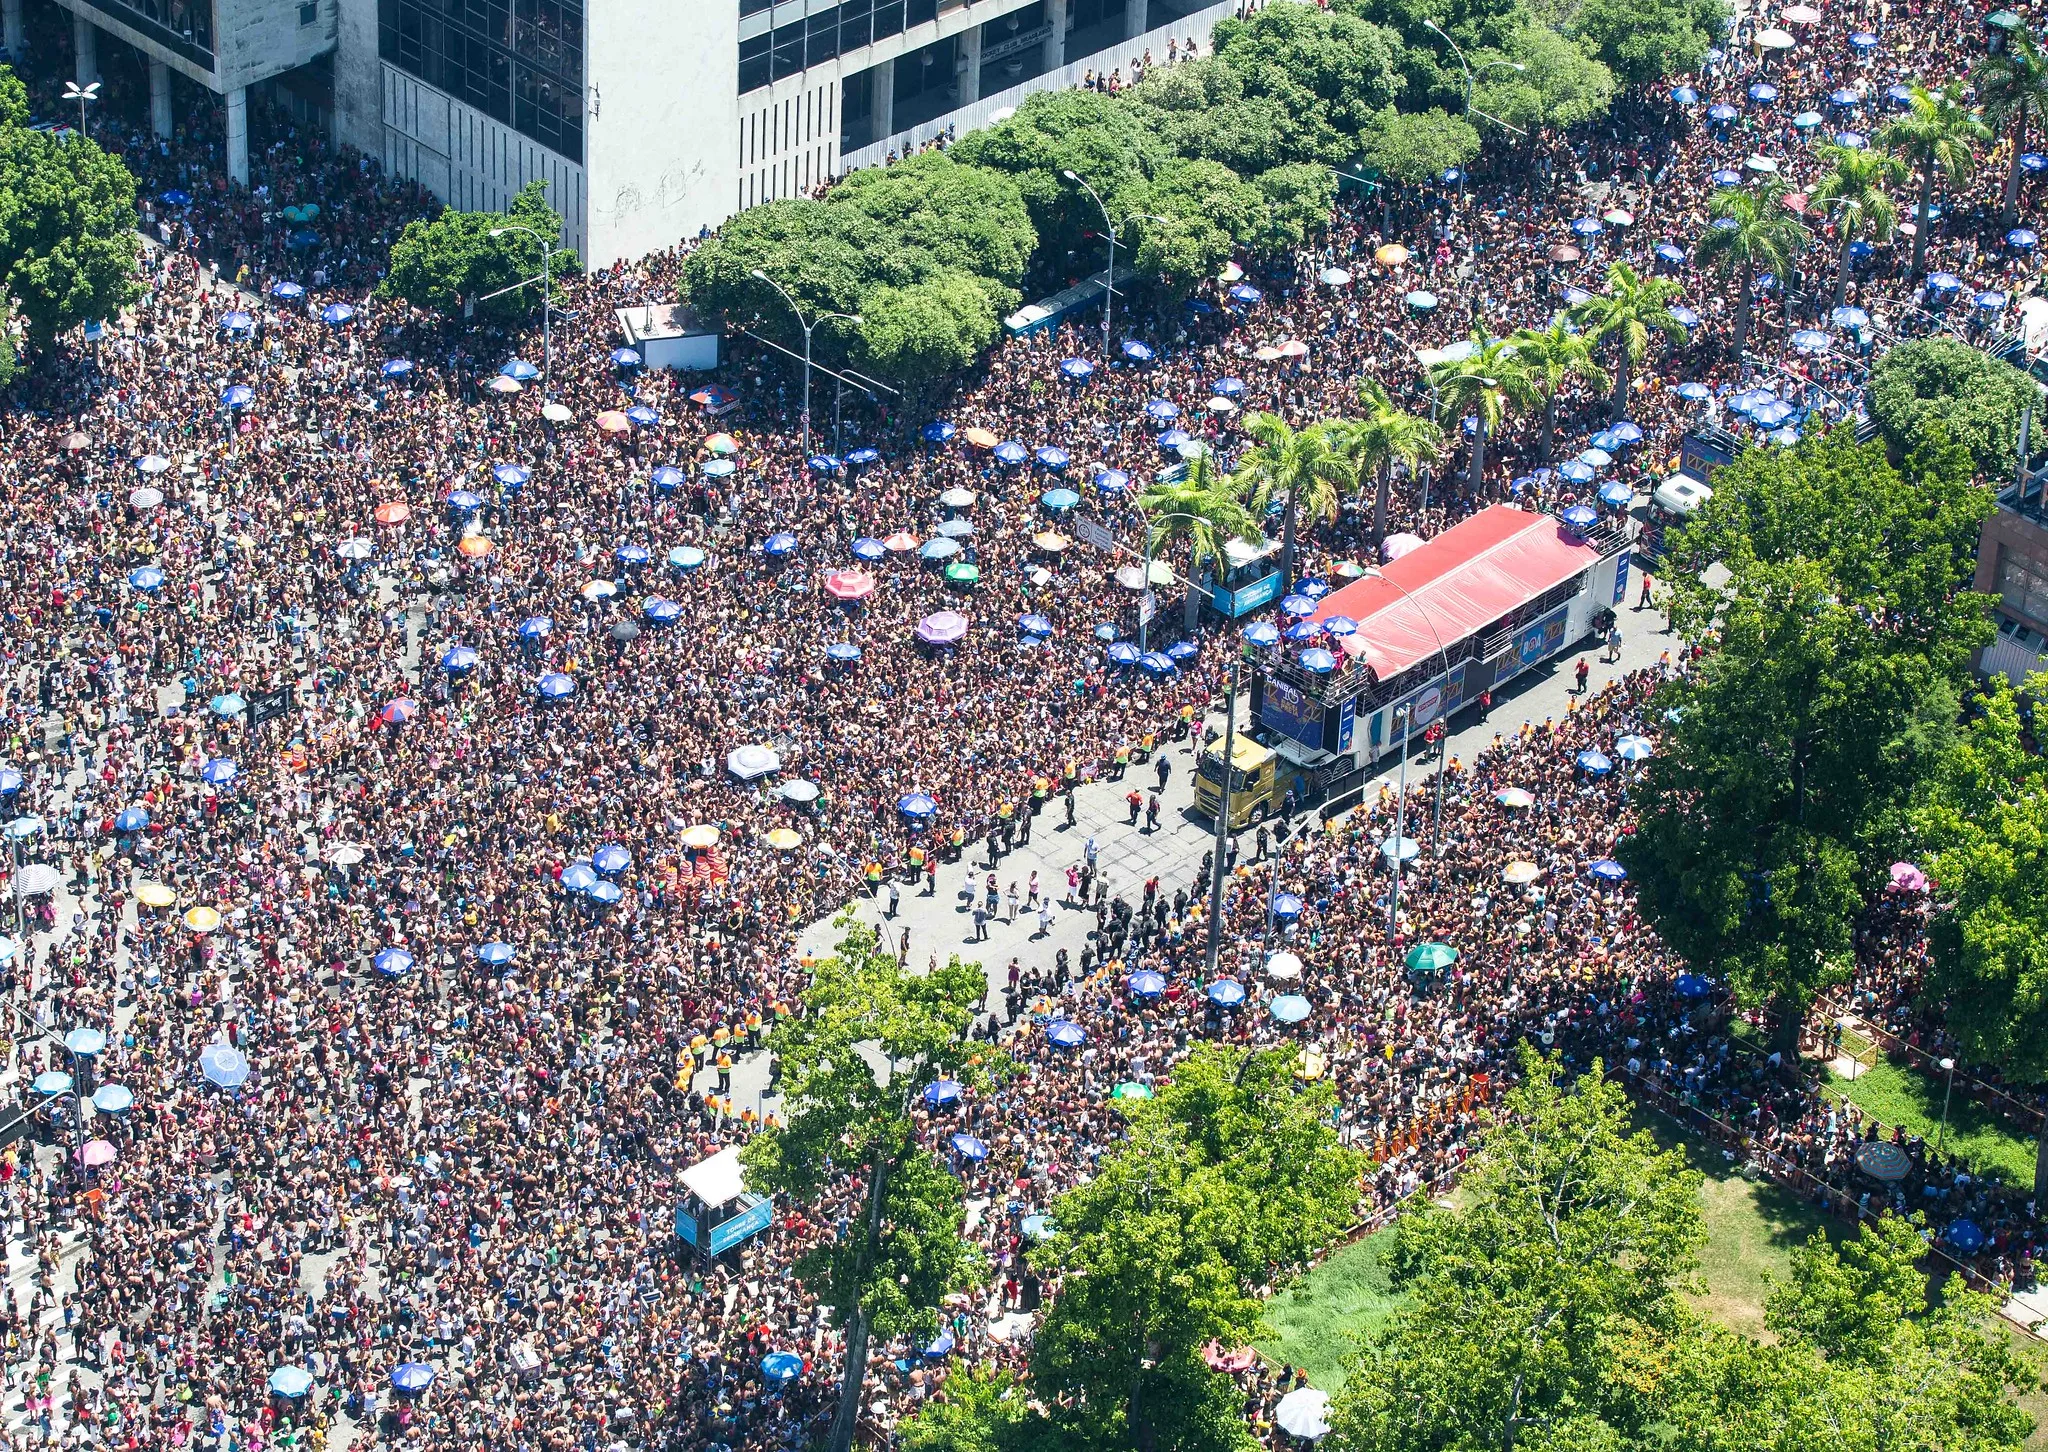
1314, 1319
1900, 1095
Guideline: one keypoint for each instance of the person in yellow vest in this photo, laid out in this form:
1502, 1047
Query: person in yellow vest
1123, 759
724, 1073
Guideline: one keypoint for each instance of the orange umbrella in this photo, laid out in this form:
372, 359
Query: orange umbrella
849, 584
476, 546
396, 512
1267, 354
614, 422
1393, 254
980, 438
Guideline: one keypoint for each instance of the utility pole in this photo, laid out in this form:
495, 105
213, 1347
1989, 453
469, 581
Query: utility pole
1222, 852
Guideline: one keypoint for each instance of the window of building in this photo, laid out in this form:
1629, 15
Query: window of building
856, 24
2023, 585
519, 62
184, 26
309, 12
754, 64
888, 18
823, 42
917, 12
754, 7
789, 50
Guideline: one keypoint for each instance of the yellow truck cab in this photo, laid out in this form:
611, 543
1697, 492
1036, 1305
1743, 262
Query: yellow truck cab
1259, 782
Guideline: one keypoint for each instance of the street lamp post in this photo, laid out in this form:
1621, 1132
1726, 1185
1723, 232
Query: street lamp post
1222, 850
1948, 1067
1466, 67
1109, 277
854, 318
1401, 714
81, 94
547, 291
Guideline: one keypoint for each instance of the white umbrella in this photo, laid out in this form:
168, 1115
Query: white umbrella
1283, 967
346, 855
36, 879
1776, 39
749, 762
1409, 848
555, 412
147, 497
355, 548
1304, 1413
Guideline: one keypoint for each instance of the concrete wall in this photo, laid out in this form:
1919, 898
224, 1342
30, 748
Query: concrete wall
977, 114
253, 40
358, 78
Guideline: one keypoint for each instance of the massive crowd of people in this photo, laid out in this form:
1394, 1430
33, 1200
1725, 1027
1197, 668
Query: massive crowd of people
521, 652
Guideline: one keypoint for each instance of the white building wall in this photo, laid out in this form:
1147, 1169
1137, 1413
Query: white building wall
358, 78
253, 40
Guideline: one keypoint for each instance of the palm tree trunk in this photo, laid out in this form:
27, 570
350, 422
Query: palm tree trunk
1381, 481
1287, 547
1842, 268
2012, 170
1920, 223
1479, 455
1550, 423
1620, 399
1742, 309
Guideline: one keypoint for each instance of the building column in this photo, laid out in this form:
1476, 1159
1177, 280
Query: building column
160, 100
1136, 19
11, 32
85, 46
1056, 39
970, 77
882, 98
238, 135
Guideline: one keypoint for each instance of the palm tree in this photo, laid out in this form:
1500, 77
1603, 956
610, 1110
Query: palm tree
1303, 468
1552, 357
1938, 133
1485, 381
1753, 232
1386, 436
2011, 87
1853, 192
1206, 508
1632, 308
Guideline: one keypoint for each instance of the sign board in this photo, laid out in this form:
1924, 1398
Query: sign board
1287, 710
1427, 704
1534, 644
1621, 577
1148, 606
1247, 598
270, 705
749, 1222
1090, 533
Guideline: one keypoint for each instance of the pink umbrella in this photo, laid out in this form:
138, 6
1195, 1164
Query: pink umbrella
900, 542
849, 584
96, 1152
1908, 878
614, 422
946, 627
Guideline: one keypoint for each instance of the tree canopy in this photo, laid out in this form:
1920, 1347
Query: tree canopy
453, 262
1643, 41
1414, 147
1944, 383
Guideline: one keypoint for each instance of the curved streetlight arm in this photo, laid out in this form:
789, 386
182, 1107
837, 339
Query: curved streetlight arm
547, 295
759, 276
1466, 65
1109, 277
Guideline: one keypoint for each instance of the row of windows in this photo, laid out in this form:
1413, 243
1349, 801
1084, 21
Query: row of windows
801, 44
519, 62
2023, 586
185, 26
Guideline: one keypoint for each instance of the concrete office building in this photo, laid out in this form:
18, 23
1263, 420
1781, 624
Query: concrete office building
652, 119
227, 47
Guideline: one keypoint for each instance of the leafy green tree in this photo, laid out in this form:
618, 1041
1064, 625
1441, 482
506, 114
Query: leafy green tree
1299, 469
871, 1038
2012, 87
453, 262
1753, 231
1485, 382
1853, 194
1093, 134
1559, 86
1414, 148
1792, 754
930, 328
1643, 41
1943, 382
1428, 70
975, 1410
1551, 358
1542, 1308
965, 218
1202, 110
1298, 203
1627, 313
827, 257
1939, 134
1206, 209
1344, 63
67, 226
1386, 435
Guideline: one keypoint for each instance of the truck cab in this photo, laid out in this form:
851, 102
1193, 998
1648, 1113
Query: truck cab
1259, 782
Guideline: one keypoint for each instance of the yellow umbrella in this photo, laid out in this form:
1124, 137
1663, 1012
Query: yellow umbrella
701, 837
1048, 541
154, 894
1521, 873
782, 839
202, 920
1393, 254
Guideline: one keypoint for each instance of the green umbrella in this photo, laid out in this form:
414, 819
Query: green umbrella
1431, 957
1130, 1089
962, 573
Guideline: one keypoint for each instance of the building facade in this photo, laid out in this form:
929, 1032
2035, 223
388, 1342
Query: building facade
650, 120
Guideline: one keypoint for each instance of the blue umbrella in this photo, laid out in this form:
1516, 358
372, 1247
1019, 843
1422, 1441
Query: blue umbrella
1899, 94
1580, 517
1684, 96
1104, 633
51, 1081
178, 197
291, 1381
917, 806
941, 548
1172, 439
413, 1377
1941, 286
782, 1366
113, 1098
1137, 352
1763, 92
1806, 120
1691, 985
460, 660
237, 395
396, 367
1574, 472
463, 501
1227, 387
1146, 984
869, 551
11, 781
1599, 458
393, 962
1588, 227
2021, 239
554, 686
336, 313
611, 859
1615, 494
779, 544
224, 1066
1078, 369
1064, 1034
1059, 500
1862, 40
1112, 481
686, 559
1633, 748
1625, 432
604, 892
1607, 870
1262, 634
823, 464
1965, 1235
228, 704
1721, 113
667, 477
218, 772
1038, 1227
1318, 660
1772, 415
1156, 663
131, 819
1051, 458
1286, 905
641, 416
536, 627
579, 877
968, 1147
1303, 631
2033, 163
1989, 302
1289, 1008
1036, 626
841, 652
287, 291
511, 475
1845, 98
1694, 392
943, 1091
1684, 316
1784, 437
85, 1042
1245, 293
1811, 340
631, 555
625, 358
1849, 318
940, 1345
1182, 651
1298, 605
146, 579
237, 322
1123, 653
1851, 141
1670, 255
1162, 410
661, 612
1226, 993
1010, 452
496, 955
1420, 301
863, 457
1595, 763
938, 431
